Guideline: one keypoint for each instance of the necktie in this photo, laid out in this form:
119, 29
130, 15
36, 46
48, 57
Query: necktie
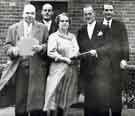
108, 24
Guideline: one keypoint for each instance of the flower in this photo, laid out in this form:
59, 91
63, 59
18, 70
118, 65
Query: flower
100, 33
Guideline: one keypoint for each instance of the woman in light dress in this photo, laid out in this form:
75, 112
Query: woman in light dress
61, 89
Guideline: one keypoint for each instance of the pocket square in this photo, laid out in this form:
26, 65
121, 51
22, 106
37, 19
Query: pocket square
100, 33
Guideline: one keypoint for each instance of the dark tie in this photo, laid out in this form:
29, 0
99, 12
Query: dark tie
108, 24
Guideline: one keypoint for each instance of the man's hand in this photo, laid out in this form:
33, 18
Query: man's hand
37, 48
93, 53
123, 64
81, 98
13, 51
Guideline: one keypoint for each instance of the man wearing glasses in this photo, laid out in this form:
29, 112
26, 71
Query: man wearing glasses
47, 15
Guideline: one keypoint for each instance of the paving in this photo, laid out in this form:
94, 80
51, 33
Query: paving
9, 111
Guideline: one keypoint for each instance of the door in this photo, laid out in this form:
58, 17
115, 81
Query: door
59, 7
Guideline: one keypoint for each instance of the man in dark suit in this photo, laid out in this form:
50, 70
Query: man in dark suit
94, 66
119, 54
47, 15
47, 19
28, 68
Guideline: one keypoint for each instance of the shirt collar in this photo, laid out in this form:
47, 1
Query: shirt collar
47, 22
26, 24
90, 29
105, 21
92, 24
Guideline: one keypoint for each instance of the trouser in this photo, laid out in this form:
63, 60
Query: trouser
57, 112
60, 112
38, 113
21, 114
32, 113
109, 112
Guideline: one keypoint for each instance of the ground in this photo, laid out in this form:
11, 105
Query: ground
9, 111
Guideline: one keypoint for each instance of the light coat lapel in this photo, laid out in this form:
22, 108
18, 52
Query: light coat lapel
36, 31
20, 30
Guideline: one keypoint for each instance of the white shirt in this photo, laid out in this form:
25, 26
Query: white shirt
48, 24
105, 22
27, 30
90, 29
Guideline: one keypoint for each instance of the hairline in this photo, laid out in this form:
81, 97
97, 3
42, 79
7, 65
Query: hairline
48, 5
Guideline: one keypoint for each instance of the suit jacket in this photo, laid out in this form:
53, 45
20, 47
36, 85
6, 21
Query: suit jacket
97, 42
118, 36
119, 50
53, 27
37, 66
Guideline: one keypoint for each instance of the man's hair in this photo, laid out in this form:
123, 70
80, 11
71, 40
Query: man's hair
88, 6
48, 5
108, 3
30, 6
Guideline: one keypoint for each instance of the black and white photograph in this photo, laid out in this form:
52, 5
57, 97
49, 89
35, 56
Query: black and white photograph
67, 58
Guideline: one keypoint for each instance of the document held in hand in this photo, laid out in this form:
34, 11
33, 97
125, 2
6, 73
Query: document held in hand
25, 46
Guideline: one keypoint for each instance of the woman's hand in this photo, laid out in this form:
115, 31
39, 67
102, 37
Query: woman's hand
67, 60
63, 59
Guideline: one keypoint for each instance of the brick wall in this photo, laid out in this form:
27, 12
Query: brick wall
124, 11
11, 11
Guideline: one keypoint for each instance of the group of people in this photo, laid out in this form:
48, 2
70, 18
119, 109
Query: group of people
47, 81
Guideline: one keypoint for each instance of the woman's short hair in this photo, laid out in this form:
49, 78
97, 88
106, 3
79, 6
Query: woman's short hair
57, 19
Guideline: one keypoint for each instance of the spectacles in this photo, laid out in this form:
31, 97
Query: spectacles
30, 13
108, 9
64, 21
86, 14
49, 10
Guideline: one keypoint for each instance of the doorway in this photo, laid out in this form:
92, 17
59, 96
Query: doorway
58, 6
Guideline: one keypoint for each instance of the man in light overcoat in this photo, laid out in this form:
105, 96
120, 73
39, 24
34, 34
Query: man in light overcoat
29, 71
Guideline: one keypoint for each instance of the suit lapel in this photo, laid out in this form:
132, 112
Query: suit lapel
113, 28
113, 25
52, 28
93, 35
86, 33
20, 29
88, 41
94, 32
36, 31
